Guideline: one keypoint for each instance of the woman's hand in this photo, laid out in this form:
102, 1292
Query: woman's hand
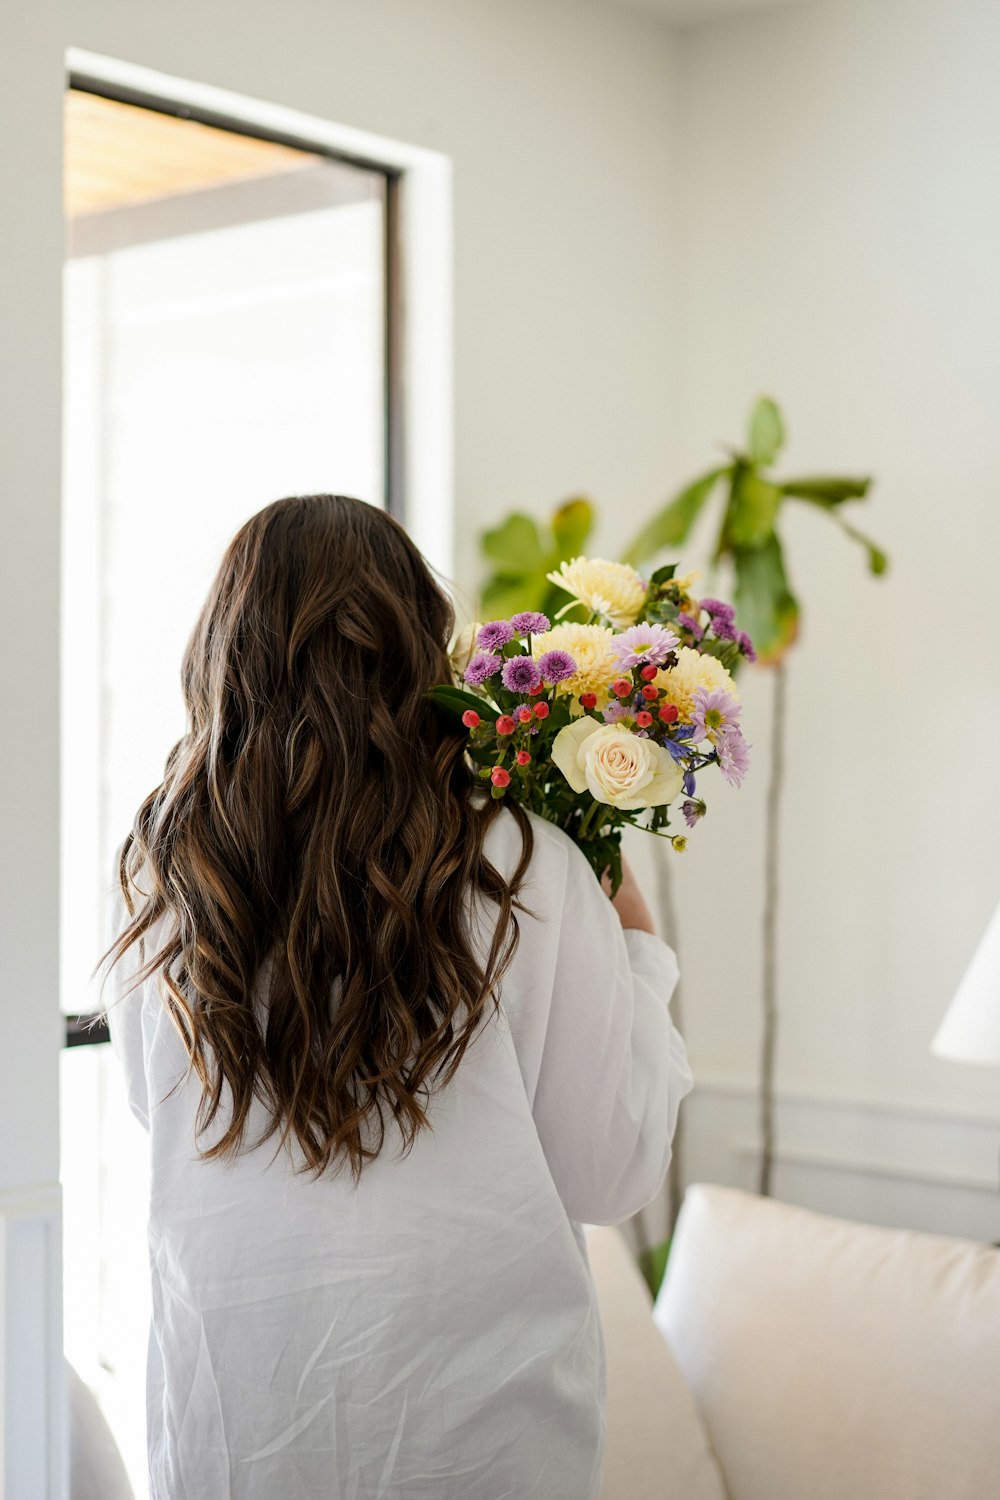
630, 903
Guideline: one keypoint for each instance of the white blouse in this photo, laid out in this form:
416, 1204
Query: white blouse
434, 1334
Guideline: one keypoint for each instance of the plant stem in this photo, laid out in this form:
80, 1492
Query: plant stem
770, 922
671, 931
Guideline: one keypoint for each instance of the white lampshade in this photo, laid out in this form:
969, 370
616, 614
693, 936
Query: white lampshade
970, 1031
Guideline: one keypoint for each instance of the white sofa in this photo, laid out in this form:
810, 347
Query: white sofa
793, 1356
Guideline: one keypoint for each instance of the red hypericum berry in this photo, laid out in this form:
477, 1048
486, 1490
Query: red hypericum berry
541, 710
669, 714
471, 719
644, 719
588, 700
523, 758
648, 673
524, 714
499, 776
505, 724
622, 687
650, 693
533, 692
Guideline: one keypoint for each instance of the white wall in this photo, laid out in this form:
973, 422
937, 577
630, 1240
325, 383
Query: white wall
31, 86
838, 244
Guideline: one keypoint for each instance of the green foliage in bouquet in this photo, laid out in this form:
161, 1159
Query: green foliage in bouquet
748, 532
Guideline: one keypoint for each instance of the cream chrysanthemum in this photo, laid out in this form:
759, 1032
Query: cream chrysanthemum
693, 671
590, 648
611, 589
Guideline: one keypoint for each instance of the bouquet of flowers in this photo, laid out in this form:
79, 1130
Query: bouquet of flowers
611, 718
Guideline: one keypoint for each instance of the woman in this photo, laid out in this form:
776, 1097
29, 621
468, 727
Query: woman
392, 1043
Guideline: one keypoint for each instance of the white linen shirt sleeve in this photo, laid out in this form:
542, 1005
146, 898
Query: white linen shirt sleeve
124, 1013
613, 1068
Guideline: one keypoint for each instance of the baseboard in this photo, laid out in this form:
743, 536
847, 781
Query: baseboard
876, 1161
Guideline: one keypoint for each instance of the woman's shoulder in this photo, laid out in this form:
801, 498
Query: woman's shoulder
554, 856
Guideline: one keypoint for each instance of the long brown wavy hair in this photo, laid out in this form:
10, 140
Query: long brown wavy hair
318, 831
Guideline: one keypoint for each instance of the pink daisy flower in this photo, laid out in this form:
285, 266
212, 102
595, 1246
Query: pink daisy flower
644, 643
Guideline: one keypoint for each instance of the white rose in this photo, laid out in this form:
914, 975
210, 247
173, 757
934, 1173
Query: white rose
616, 766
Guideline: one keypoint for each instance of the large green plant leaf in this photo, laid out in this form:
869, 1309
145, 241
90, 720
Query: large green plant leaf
670, 526
515, 546
765, 606
878, 561
524, 552
571, 526
767, 432
827, 490
753, 509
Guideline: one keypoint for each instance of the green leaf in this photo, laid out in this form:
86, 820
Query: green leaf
671, 525
766, 608
653, 1265
753, 509
502, 597
664, 574
827, 490
767, 432
571, 526
515, 545
456, 700
878, 561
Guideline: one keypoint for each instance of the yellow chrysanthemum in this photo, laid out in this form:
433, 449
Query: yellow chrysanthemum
693, 671
590, 648
611, 589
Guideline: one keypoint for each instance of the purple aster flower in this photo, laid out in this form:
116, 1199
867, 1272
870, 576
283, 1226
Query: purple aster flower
494, 635
719, 609
715, 714
693, 810
688, 622
530, 622
520, 675
724, 629
746, 646
643, 643
483, 666
556, 666
616, 711
734, 757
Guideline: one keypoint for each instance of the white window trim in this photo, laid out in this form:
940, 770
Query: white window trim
425, 274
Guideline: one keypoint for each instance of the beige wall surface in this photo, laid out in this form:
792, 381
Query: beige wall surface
838, 245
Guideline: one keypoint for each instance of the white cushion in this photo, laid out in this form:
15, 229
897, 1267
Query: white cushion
657, 1447
835, 1360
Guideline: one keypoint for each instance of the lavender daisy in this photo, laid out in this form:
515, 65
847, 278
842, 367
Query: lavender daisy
693, 809
483, 666
530, 622
643, 643
715, 714
734, 757
555, 666
521, 674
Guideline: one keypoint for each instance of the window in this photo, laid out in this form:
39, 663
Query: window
230, 337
